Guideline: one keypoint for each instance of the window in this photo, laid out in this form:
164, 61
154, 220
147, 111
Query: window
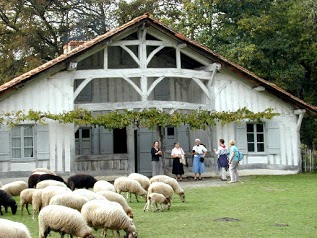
255, 137
22, 142
120, 141
83, 141
170, 131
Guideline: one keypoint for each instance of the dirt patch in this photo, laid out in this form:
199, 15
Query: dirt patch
280, 224
227, 219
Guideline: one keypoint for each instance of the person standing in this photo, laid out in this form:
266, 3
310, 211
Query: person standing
156, 163
233, 162
223, 165
199, 152
178, 168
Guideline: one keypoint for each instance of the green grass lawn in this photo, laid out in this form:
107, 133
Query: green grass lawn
266, 206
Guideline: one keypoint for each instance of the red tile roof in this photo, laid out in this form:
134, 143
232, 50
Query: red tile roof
64, 58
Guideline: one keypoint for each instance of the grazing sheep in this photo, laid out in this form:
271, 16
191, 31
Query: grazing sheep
46, 183
172, 182
26, 198
33, 180
104, 215
81, 181
143, 180
50, 192
162, 188
155, 199
64, 220
7, 201
13, 229
124, 184
37, 201
69, 200
43, 177
115, 197
90, 195
103, 185
43, 171
14, 188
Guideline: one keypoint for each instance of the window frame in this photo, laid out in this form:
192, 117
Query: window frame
80, 140
22, 147
255, 142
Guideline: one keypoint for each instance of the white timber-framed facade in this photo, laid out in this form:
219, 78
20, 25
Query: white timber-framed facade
140, 65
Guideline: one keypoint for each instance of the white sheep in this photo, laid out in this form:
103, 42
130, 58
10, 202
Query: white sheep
172, 182
155, 199
43, 171
37, 201
50, 192
162, 188
103, 185
115, 197
64, 220
90, 195
143, 180
104, 215
13, 229
14, 188
26, 198
124, 184
49, 182
69, 200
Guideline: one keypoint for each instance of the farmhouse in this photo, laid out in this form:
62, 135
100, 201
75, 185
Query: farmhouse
143, 64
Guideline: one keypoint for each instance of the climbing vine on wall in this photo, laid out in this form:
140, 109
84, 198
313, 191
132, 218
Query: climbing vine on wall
150, 118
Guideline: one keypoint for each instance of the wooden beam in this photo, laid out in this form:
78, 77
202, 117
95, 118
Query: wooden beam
149, 58
105, 58
139, 91
130, 52
81, 87
153, 85
203, 87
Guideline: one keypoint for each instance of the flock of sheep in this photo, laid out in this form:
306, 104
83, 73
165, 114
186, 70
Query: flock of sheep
82, 204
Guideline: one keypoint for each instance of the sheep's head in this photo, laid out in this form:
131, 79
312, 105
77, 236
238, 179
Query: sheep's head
182, 196
130, 213
131, 235
14, 208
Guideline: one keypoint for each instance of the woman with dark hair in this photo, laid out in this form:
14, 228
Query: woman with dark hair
178, 155
156, 163
223, 165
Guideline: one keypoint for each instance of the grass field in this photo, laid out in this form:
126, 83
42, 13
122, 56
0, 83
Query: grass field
264, 206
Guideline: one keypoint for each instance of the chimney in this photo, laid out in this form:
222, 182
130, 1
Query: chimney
72, 45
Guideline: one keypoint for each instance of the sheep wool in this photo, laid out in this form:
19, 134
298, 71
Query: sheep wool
7, 201
162, 188
143, 180
70, 200
62, 219
26, 198
37, 201
155, 199
50, 192
90, 195
102, 214
102, 185
15, 188
81, 181
13, 229
46, 183
124, 184
43, 171
172, 182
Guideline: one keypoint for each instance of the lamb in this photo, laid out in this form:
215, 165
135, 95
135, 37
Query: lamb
124, 184
64, 220
162, 188
7, 201
156, 198
43, 171
13, 229
14, 188
90, 195
103, 185
69, 200
46, 183
99, 214
143, 180
26, 199
81, 181
172, 182
115, 197
37, 201
50, 192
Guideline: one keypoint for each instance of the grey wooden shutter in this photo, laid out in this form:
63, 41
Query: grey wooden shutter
42, 142
96, 140
241, 137
106, 141
5, 143
273, 138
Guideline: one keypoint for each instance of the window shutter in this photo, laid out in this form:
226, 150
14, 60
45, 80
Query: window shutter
273, 138
96, 140
241, 137
42, 142
5, 143
106, 141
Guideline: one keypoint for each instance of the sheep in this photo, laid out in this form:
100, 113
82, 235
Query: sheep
37, 201
64, 220
103, 185
156, 198
33, 180
124, 184
50, 192
115, 197
162, 188
13, 229
81, 181
43, 171
43, 177
14, 188
143, 180
90, 195
172, 182
7, 201
69, 200
26, 199
99, 214
46, 183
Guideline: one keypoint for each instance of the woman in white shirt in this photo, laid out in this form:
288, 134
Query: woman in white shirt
178, 168
223, 164
199, 153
